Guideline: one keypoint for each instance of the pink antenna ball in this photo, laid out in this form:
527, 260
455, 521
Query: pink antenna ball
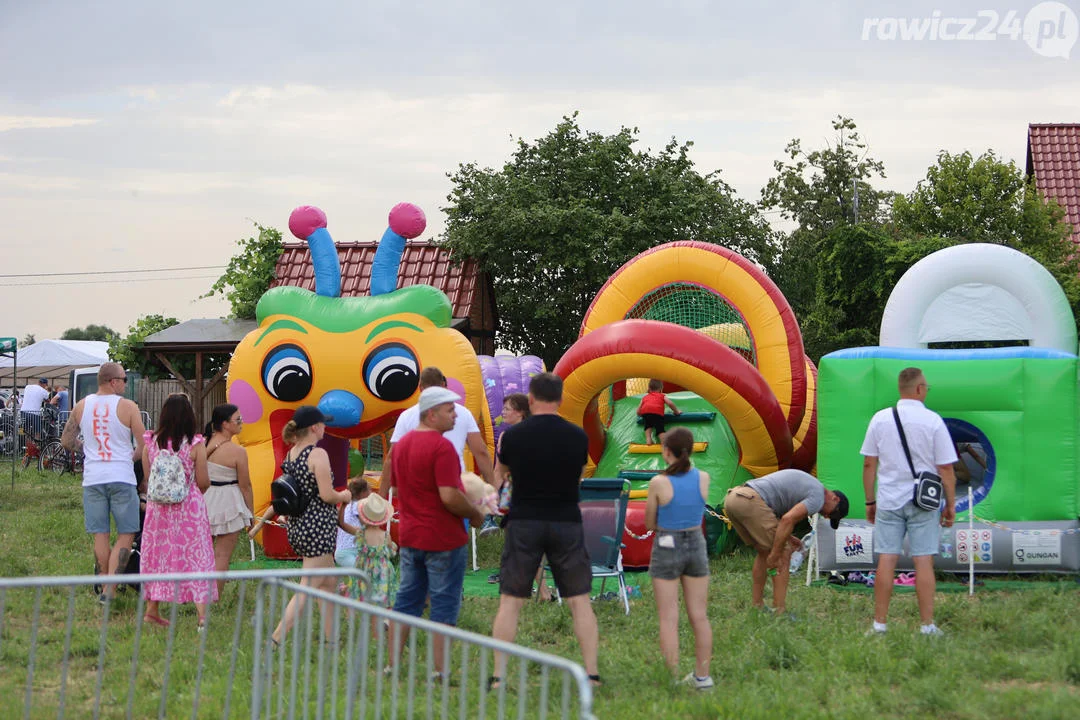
407, 220
305, 220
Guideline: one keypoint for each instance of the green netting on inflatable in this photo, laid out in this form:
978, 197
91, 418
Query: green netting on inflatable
700, 309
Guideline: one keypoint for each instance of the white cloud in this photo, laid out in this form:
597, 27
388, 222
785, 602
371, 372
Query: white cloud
31, 122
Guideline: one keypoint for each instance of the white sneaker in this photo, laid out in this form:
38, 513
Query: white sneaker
874, 632
932, 631
705, 683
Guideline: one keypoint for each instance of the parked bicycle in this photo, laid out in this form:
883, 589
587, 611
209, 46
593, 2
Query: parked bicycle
57, 458
38, 431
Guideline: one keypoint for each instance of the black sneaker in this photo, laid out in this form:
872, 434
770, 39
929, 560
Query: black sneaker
493, 578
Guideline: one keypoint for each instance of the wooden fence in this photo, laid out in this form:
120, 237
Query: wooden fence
151, 395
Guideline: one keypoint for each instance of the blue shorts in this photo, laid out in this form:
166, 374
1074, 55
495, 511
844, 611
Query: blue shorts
439, 575
121, 500
923, 529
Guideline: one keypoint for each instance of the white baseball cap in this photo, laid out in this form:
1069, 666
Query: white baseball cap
433, 396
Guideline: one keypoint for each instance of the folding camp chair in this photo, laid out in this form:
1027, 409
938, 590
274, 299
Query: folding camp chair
603, 516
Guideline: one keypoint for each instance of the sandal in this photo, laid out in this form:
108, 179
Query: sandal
494, 683
156, 619
595, 681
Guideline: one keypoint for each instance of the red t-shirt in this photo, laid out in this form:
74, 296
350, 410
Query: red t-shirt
651, 404
423, 462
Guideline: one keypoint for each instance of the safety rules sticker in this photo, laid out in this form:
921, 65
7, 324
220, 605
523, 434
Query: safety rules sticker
1036, 547
974, 546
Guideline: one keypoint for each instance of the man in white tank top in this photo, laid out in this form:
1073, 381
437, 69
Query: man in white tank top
112, 431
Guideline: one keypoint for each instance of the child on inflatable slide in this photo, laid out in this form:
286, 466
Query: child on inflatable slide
651, 411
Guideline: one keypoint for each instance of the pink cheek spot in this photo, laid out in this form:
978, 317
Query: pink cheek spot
454, 385
243, 396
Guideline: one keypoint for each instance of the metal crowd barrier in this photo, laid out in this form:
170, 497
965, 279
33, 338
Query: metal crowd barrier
63, 655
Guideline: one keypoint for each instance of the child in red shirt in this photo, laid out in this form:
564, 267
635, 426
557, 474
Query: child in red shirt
651, 411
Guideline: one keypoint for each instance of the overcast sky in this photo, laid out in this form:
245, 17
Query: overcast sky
138, 135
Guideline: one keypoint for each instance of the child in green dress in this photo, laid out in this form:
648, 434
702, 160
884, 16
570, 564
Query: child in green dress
375, 551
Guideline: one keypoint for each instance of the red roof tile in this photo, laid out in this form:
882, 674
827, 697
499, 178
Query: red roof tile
1053, 158
421, 264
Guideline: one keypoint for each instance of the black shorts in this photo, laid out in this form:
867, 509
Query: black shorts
654, 421
525, 542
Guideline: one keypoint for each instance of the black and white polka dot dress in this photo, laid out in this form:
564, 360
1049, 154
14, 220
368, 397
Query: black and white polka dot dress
315, 532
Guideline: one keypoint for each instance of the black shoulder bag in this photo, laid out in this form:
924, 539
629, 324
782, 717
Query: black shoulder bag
928, 487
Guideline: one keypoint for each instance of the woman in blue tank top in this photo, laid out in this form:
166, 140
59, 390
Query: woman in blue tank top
674, 511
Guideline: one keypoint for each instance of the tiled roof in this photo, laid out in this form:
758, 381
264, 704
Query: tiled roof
421, 264
1053, 157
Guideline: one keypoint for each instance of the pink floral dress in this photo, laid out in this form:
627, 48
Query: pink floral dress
176, 538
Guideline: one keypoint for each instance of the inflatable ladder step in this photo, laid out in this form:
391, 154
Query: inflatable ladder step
639, 474
685, 417
654, 449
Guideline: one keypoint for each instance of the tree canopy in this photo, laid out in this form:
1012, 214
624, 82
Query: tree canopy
90, 332
569, 208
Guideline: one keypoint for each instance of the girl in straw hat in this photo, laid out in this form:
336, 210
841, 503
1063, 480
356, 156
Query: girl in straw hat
375, 551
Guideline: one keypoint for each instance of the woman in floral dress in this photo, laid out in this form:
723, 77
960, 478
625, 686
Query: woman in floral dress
176, 536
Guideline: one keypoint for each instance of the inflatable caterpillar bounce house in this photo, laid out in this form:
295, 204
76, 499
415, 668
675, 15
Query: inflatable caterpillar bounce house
1012, 411
357, 358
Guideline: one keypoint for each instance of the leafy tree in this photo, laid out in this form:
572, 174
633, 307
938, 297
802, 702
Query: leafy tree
567, 209
816, 189
90, 332
249, 272
27, 340
127, 350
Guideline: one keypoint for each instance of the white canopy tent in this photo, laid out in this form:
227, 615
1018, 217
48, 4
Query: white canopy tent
53, 360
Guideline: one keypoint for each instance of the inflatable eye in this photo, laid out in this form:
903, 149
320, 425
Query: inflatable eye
391, 372
286, 373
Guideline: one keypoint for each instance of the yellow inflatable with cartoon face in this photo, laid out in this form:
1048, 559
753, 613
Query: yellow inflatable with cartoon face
357, 359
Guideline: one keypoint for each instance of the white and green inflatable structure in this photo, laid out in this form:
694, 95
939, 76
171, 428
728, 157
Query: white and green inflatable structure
1013, 410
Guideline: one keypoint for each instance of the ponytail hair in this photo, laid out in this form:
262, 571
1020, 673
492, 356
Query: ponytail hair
218, 417
680, 443
290, 433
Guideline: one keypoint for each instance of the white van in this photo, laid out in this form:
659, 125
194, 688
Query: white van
83, 382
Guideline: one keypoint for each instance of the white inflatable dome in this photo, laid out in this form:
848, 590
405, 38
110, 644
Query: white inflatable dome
978, 292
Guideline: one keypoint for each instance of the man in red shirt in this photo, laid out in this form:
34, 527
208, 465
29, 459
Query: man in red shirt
432, 502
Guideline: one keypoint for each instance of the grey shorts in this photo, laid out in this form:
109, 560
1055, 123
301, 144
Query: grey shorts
923, 529
676, 553
121, 500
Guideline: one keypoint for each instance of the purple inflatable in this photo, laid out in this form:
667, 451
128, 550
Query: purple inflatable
504, 375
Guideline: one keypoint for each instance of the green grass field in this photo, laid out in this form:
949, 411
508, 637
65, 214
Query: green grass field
1008, 654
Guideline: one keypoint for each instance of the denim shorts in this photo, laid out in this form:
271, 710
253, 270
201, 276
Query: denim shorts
439, 575
685, 554
121, 500
922, 528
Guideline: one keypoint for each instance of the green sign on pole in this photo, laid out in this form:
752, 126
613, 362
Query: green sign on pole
8, 344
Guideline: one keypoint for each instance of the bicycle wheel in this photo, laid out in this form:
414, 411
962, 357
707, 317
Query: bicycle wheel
53, 457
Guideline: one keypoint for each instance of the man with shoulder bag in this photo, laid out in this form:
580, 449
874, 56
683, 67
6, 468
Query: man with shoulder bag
910, 455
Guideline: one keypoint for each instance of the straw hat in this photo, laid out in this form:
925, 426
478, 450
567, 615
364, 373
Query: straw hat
373, 510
